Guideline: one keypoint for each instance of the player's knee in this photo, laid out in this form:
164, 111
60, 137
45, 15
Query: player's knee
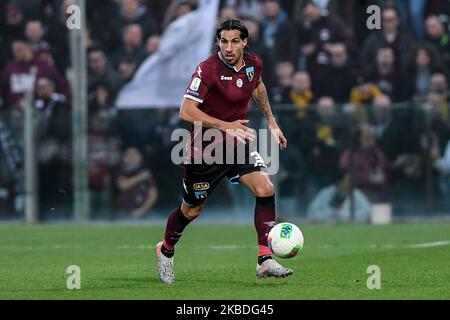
192, 213
264, 190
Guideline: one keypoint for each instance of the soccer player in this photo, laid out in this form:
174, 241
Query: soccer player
218, 97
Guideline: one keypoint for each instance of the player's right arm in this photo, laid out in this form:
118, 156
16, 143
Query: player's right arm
190, 112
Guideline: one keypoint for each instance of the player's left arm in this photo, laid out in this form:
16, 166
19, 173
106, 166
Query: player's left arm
262, 99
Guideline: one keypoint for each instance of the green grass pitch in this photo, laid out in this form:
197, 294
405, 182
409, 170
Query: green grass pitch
218, 262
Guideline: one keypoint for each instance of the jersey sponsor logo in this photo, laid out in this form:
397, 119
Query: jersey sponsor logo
226, 78
239, 83
201, 186
199, 72
195, 84
250, 71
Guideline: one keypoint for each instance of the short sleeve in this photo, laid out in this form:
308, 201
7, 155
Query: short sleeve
200, 84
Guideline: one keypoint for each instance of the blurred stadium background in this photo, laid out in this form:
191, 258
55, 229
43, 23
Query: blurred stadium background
366, 112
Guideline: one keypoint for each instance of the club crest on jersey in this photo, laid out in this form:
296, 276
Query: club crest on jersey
239, 83
250, 71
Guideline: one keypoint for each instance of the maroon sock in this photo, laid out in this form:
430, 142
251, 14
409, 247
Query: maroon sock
174, 228
264, 221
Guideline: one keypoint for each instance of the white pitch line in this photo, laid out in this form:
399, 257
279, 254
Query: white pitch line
430, 244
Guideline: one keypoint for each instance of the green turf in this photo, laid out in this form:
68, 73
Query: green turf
218, 262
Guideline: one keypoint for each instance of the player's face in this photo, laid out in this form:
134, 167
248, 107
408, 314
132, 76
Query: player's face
232, 46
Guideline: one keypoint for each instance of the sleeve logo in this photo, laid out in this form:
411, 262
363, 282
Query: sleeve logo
195, 84
250, 71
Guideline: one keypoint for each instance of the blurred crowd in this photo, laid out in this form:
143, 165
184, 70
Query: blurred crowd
372, 104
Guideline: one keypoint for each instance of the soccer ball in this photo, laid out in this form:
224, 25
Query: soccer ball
285, 240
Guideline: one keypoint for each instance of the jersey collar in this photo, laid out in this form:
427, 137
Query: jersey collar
229, 65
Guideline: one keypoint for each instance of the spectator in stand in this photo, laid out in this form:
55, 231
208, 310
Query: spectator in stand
316, 35
333, 203
370, 167
34, 32
301, 93
103, 18
412, 13
322, 137
364, 93
380, 116
354, 13
49, 102
423, 61
132, 12
152, 45
103, 156
434, 113
54, 20
102, 99
337, 79
54, 139
177, 9
272, 19
388, 77
100, 71
132, 45
284, 74
437, 35
15, 77
127, 67
391, 35
13, 26
439, 94
227, 12
247, 9
256, 44
137, 188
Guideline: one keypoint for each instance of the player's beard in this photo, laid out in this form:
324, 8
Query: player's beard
235, 59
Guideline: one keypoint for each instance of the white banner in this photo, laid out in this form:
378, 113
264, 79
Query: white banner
161, 80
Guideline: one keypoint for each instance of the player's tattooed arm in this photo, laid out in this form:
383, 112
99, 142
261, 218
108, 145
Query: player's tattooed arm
214, 125
262, 99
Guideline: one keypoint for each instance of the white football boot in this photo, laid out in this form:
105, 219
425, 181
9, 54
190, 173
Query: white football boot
271, 268
165, 265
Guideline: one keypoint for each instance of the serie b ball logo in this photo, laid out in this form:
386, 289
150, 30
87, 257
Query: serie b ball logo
285, 240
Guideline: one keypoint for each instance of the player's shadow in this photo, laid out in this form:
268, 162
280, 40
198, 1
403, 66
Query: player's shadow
257, 282
183, 281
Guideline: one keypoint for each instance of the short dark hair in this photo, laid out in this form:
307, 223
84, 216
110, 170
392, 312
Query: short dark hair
233, 24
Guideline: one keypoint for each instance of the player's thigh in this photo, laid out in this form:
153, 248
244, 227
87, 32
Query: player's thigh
258, 182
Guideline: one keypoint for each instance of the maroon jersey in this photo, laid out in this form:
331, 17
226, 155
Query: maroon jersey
222, 90
15, 77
